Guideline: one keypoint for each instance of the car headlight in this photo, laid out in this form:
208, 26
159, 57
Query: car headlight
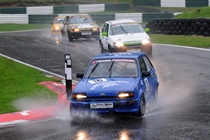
118, 44
95, 29
79, 96
56, 27
75, 30
145, 42
125, 94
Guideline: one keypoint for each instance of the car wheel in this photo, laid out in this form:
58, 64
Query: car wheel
72, 113
142, 106
156, 94
110, 49
62, 33
101, 47
69, 37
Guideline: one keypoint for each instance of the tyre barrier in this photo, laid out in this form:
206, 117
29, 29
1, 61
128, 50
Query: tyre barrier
198, 26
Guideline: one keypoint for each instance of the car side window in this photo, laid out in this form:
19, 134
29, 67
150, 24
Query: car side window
64, 21
107, 28
142, 64
103, 28
148, 63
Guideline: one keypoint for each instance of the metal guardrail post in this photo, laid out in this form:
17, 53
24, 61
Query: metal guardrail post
68, 74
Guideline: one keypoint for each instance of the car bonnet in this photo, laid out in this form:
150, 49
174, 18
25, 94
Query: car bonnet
130, 37
108, 86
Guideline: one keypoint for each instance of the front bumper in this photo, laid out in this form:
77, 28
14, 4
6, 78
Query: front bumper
141, 48
85, 34
119, 106
55, 32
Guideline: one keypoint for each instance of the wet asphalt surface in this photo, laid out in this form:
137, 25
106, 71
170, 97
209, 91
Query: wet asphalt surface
181, 113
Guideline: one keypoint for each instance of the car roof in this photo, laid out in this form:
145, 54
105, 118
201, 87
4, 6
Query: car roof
118, 21
60, 17
132, 55
64, 15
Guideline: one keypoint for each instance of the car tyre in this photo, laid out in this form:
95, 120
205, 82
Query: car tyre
69, 37
110, 49
72, 113
142, 106
156, 94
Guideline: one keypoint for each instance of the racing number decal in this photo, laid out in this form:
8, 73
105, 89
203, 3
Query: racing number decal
146, 83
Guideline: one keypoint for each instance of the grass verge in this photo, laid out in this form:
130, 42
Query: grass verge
19, 81
193, 41
17, 27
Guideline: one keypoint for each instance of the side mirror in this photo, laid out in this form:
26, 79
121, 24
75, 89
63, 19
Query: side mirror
51, 23
79, 75
145, 73
104, 33
147, 30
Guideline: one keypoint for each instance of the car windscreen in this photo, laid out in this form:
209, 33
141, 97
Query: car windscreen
112, 68
58, 21
80, 20
125, 29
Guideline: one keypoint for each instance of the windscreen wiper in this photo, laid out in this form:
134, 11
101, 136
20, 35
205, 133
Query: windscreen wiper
93, 70
84, 20
123, 29
110, 69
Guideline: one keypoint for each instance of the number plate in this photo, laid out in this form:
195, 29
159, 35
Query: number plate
86, 33
101, 105
134, 50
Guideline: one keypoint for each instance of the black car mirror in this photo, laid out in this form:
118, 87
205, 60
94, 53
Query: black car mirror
145, 73
79, 75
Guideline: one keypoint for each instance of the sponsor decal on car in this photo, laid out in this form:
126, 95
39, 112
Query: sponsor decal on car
107, 84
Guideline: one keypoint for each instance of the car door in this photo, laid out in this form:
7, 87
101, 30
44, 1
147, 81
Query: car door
104, 37
65, 25
148, 80
153, 77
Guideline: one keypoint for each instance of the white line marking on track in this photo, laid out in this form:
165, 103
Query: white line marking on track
13, 122
25, 112
203, 49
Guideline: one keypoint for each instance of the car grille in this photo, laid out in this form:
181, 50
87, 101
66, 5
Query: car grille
86, 29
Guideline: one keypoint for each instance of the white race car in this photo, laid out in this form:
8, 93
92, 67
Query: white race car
124, 35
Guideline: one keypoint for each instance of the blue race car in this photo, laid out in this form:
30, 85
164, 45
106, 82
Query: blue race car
115, 83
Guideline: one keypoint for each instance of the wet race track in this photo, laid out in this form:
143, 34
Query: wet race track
182, 111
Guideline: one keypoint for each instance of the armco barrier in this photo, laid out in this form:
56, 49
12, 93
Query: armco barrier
135, 16
88, 8
84, 8
103, 17
41, 10
14, 18
12, 10
116, 7
146, 17
65, 9
147, 2
41, 18
196, 3
199, 26
100, 18
172, 3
